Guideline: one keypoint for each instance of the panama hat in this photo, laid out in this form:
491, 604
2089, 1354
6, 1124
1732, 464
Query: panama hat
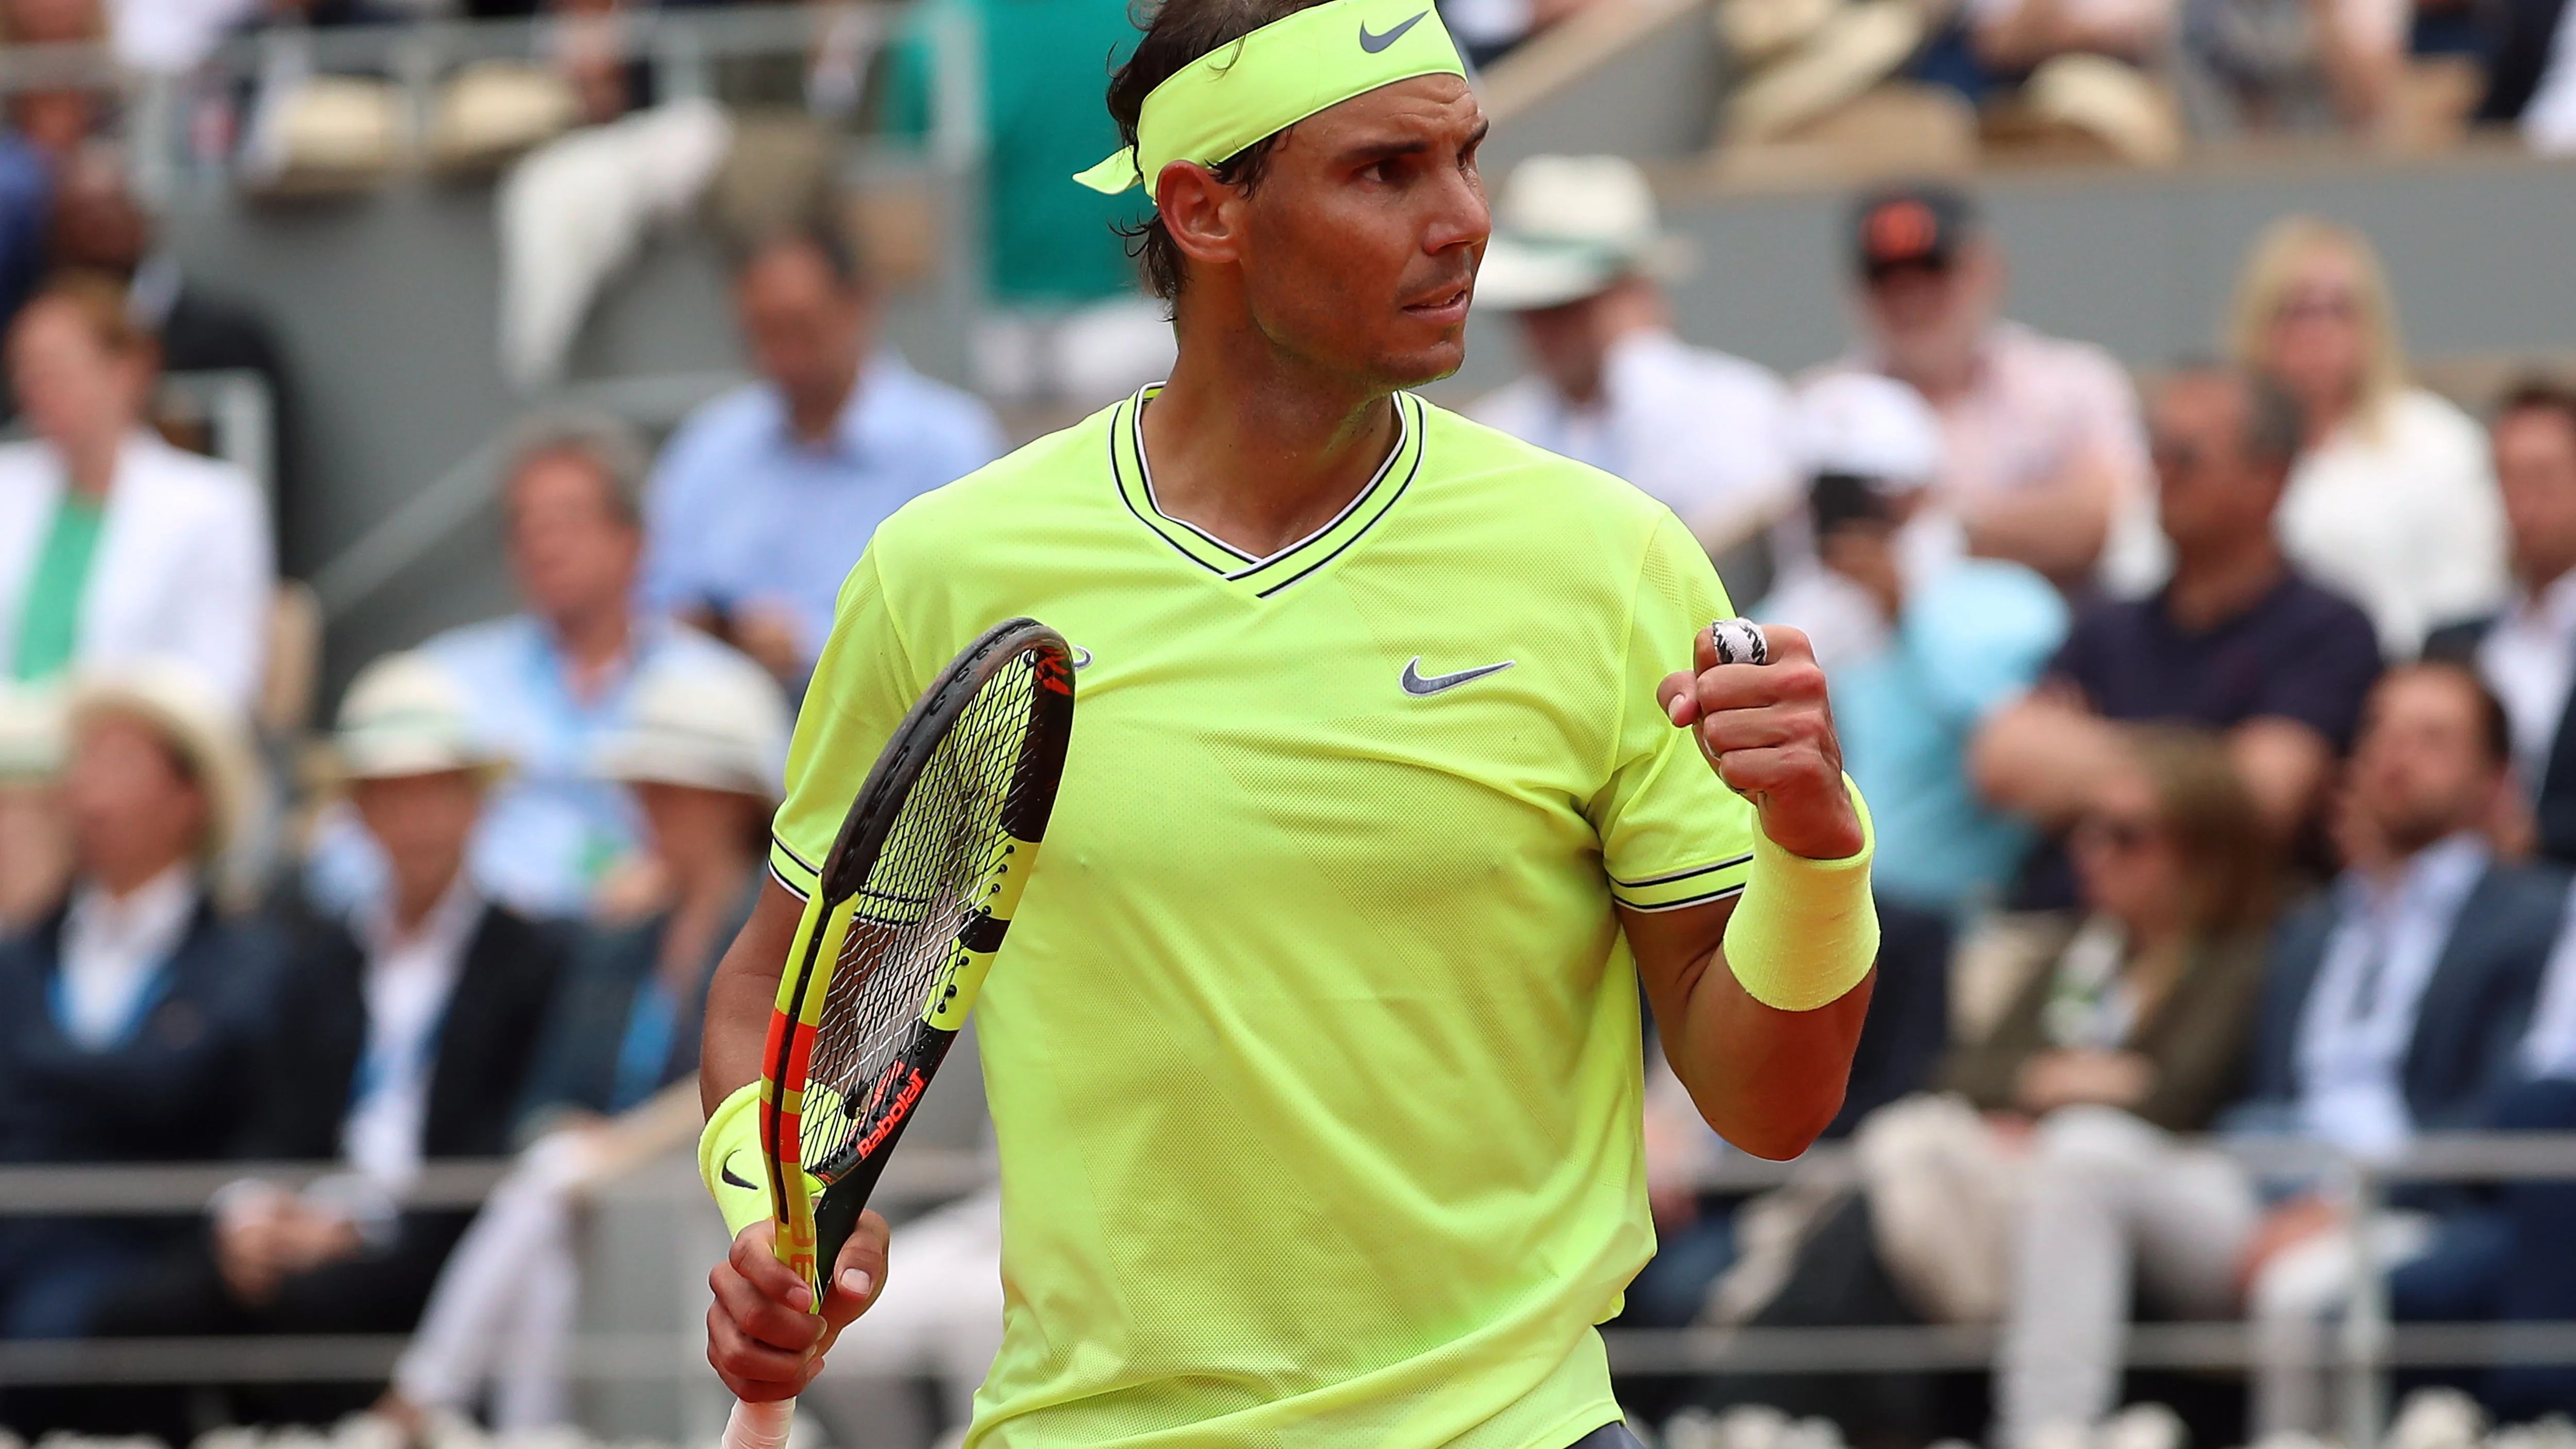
715, 721
211, 737
2113, 104
1567, 227
1854, 50
408, 714
31, 733
1863, 425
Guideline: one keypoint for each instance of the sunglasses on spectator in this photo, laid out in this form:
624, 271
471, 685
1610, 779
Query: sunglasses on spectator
2117, 834
2318, 307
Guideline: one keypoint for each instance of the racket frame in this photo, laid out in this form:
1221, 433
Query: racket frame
816, 1214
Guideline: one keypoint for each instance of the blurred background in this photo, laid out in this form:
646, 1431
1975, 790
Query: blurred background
438, 429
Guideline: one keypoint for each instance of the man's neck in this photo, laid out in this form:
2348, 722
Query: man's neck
1258, 451
2536, 583
815, 417
120, 884
594, 641
91, 466
415, 901
2215, 585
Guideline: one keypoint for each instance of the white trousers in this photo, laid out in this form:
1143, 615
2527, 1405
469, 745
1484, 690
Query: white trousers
2113, 1210
2298, 1295
941, 1312
506, 1303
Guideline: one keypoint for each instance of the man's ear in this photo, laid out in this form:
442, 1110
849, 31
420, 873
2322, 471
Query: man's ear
1203, 215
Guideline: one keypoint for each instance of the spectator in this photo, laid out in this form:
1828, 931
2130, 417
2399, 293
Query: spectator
57, 120
2531, 80
99, 226
133, 1019
1576, 258
1920, 645
547, 685
2043, 444
2527, 653
2236, 641
1068, 323
2391, 503
767, 495
2293, 65
705, 753
403, 1038
35, 842
2392, 1005
119, 545
2133, 1018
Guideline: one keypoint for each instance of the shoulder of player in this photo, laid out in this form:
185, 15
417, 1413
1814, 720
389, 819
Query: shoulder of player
1014, 491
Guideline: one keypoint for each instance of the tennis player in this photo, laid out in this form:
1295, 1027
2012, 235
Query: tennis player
1314, 1054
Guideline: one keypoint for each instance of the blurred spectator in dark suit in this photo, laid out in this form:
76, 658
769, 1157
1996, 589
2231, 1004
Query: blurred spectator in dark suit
704, 753
99, 226
35, 840
2531, 79
133, 1019
2527, 653
2236, 641
401, 1038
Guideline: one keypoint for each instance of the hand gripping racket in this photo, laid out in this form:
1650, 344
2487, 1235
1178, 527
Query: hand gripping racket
913, 900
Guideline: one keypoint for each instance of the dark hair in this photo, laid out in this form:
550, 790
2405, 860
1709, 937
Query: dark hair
826, 242
2495, 727
2539, 394
2216, 829
1179, 32
2275, 430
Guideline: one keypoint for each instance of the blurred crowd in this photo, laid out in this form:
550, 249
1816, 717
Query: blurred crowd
2215, 723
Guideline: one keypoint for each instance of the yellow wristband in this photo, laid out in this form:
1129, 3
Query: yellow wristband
1805, 932
730, 1164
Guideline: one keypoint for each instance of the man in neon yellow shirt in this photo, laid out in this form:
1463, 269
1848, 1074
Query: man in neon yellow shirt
1314, 1055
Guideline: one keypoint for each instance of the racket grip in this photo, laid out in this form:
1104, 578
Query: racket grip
759, 1426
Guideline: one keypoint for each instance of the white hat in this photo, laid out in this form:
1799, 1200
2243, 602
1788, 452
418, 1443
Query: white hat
213, 738
1568, 227
1867, 426
408, 714
31, 732
713, 720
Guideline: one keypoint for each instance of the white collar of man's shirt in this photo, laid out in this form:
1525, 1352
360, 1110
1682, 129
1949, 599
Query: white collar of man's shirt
444, 930
114, 945
2551, 611
2439, 876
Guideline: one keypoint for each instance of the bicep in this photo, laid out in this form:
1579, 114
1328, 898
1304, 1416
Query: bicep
1673, 948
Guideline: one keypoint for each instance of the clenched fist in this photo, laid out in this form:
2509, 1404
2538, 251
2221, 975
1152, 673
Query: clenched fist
762, 1337
1769, 732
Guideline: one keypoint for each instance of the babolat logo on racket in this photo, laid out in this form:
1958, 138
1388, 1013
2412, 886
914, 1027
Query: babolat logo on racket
906, 1083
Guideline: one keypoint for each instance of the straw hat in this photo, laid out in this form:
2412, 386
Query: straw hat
2113, 104
713, 720
31, 733
211, 737
1567, 227
1862, 425
1854, 50
408, 714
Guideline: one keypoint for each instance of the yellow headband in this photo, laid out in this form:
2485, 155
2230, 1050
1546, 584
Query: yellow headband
1275, 77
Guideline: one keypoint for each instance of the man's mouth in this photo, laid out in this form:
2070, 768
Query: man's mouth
1446, 305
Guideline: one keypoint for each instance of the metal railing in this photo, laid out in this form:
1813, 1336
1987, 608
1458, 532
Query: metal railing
2366, 1348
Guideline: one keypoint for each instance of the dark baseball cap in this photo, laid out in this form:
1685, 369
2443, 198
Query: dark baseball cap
1918, 224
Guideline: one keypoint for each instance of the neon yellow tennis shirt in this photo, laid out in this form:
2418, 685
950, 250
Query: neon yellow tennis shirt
1314, 1051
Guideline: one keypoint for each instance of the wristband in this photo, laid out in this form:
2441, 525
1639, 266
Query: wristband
730, 1164
1805, 932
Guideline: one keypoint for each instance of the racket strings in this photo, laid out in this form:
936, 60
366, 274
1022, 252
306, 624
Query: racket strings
927, 883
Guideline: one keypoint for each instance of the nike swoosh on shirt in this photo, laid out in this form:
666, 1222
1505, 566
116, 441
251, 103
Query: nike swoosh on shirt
1375, 43
1416, 683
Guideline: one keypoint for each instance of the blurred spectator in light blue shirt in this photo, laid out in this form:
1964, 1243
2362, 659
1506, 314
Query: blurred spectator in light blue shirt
550, 683
1919, 642
767, 495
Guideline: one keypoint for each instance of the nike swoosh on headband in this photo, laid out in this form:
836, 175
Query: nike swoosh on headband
1415, 684
1375, 43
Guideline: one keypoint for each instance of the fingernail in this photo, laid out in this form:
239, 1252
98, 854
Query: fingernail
1678, 709
804, 1298
855, 1283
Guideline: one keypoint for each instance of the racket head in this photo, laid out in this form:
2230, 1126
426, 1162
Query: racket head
913, 900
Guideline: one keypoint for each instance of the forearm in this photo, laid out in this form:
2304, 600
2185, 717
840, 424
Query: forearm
742, 995
1767, 1080
2041, 757
2057, 531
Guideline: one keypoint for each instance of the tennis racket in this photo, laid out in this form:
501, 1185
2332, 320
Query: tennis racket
914, 898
